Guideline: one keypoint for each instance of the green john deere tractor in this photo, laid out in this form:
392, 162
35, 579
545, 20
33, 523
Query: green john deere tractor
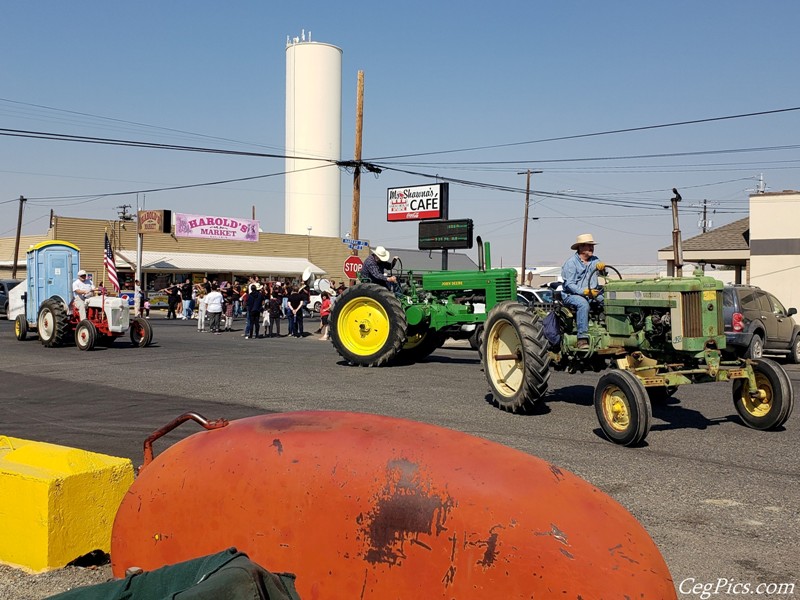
655, 335
372, 326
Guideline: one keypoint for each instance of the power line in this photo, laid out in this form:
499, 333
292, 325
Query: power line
597, 133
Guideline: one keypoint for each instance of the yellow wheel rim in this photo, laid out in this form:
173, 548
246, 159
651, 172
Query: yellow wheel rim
505, 362
17, 328
615, 408
363, 326
414, 340
758, 407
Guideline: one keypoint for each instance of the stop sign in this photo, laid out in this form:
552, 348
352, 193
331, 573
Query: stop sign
352, 266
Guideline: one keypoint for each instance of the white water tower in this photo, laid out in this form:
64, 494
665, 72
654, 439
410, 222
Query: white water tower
313, 130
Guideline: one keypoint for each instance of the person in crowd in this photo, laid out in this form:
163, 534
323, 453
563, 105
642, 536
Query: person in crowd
147, 309
230, 301
254, 305
240, 301
137, 298
214, 302
202, 308
581, 284
374, 266
274, 308
206, 284
82, 289
186, 299
324, 313
173, 299
296, 301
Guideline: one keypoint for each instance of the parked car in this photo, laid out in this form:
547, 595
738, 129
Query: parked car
535, 295
756, 323
315, 300
6, 285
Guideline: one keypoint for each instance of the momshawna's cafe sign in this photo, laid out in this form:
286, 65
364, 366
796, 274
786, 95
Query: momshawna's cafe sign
216, 228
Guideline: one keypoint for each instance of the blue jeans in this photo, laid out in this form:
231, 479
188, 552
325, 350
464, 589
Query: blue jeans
187, 309
580, 307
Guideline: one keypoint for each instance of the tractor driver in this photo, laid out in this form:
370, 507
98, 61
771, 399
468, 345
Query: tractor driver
374, 266
81, 289
581, 284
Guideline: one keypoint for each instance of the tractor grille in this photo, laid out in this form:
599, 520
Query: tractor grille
692, 315
720, 316
503, 290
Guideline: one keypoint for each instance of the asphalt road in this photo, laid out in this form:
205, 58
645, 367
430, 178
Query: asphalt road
720, 500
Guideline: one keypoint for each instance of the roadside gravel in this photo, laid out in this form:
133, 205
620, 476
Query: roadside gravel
16, 584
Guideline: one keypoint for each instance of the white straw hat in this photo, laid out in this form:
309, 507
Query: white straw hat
584, 238
382, 253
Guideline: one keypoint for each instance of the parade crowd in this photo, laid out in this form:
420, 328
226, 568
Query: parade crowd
262, 303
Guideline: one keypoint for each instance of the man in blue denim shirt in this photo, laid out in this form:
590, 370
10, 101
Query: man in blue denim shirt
581, 284
378, 260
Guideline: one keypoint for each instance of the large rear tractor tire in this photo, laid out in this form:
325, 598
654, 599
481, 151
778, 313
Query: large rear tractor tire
515, 357
52, 323
623, 408
85, 335
775, 405
368, 325
21, 328
141, 332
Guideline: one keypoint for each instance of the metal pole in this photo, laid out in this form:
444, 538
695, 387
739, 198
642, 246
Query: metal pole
22, 201
676, 234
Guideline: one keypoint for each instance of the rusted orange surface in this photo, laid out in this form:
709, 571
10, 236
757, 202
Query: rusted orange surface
368, 507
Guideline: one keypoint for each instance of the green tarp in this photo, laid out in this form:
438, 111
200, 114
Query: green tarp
227, 575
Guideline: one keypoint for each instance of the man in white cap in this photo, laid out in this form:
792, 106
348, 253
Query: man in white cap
81, 289
376, 263
581, 284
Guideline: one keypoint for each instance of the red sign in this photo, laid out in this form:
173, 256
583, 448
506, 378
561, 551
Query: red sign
415, 203
352, 266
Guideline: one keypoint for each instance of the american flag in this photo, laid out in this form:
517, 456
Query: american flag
111, 266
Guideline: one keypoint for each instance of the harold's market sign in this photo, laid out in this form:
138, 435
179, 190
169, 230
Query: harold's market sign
216, 228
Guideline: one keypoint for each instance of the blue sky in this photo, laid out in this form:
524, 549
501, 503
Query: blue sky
438, 77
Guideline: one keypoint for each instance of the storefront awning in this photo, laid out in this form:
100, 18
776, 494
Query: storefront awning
167, 262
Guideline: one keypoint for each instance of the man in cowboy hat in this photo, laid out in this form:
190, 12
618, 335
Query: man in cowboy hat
581, 284
374, 266
81, 289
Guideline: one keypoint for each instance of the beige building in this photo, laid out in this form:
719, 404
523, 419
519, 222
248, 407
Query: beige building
166, 257
763, 249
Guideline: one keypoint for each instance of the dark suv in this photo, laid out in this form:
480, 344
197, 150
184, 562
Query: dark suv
6, 285
756, 322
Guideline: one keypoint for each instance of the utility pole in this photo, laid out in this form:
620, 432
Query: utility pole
357, 157
22, 201
124, 215
528, 173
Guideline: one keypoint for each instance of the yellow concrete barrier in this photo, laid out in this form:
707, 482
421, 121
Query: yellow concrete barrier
56, 503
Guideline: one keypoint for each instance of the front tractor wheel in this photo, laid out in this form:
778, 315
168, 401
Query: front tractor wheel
421, 344
771, 406
515, 357
52, 323
368, 325
622, 407
141, 332
21, 328
85, 335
